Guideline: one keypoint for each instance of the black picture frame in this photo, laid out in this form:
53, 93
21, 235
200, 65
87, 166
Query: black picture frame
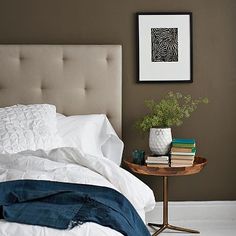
155, 63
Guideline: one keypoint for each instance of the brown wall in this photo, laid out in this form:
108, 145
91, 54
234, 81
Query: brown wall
214, 73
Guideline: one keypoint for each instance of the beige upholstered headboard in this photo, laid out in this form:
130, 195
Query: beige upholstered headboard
78, 79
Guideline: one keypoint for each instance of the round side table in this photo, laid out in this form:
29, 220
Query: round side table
165, 172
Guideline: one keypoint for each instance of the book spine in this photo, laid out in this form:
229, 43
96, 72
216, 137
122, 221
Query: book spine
149, 158
156, 162
183, 153
182, 158
182, 161
186, 141
159, 166
185, 150
179, 165
183, 145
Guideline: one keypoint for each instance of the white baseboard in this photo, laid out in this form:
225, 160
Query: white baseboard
204, 210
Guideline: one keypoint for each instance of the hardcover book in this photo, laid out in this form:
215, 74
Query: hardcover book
183, 153
181, 161
184, 145
157, 158
158, 165
185, 150
179, 157
157, 162
185, 141
181, 165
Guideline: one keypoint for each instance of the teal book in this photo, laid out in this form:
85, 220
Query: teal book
184, 141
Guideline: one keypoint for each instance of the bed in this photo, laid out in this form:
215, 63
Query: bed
79, 87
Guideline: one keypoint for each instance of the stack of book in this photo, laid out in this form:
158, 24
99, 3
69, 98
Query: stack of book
157, 161
182, 152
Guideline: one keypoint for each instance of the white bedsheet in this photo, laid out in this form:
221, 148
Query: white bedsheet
70, 165
93, 134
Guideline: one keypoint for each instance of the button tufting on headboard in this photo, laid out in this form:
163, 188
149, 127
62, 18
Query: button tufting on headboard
108, 116
108, 58
42, 87
84, 85
21, 57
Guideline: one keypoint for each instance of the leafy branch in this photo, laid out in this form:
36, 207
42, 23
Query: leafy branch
169, 111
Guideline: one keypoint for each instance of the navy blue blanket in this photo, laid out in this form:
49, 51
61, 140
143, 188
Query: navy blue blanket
65, 205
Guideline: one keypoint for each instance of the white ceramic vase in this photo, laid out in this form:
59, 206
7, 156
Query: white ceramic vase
160, 140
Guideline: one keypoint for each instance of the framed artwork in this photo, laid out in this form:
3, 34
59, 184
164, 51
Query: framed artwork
165, 47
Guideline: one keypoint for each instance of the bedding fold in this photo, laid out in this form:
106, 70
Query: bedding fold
71, 165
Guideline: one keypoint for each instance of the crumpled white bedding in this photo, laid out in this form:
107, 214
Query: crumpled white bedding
93, 134
71, 165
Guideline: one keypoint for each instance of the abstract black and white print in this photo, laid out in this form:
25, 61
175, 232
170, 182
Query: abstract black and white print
164, 44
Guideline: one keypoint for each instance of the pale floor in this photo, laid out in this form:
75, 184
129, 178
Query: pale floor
210, 218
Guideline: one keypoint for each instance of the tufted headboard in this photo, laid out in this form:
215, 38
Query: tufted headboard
78, 79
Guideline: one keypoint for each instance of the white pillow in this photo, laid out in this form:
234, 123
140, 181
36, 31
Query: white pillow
28, 127
92, 134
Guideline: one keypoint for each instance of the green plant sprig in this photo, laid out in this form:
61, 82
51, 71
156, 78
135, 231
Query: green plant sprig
169, 111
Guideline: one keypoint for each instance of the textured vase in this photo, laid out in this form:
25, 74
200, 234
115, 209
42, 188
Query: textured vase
160, 140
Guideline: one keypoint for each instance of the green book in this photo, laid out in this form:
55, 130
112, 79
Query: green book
184, 145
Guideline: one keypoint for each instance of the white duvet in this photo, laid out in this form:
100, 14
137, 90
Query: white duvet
71, 165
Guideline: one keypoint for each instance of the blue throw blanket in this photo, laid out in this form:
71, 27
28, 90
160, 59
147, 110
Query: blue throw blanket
65, 205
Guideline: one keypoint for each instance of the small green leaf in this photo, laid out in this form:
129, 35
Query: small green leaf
169, 111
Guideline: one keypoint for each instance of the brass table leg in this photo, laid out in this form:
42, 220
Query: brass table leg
165, 224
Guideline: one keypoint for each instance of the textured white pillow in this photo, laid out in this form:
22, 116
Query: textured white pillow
93, 134
28, 127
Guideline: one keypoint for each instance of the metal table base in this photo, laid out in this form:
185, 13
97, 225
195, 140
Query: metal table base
165, 224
